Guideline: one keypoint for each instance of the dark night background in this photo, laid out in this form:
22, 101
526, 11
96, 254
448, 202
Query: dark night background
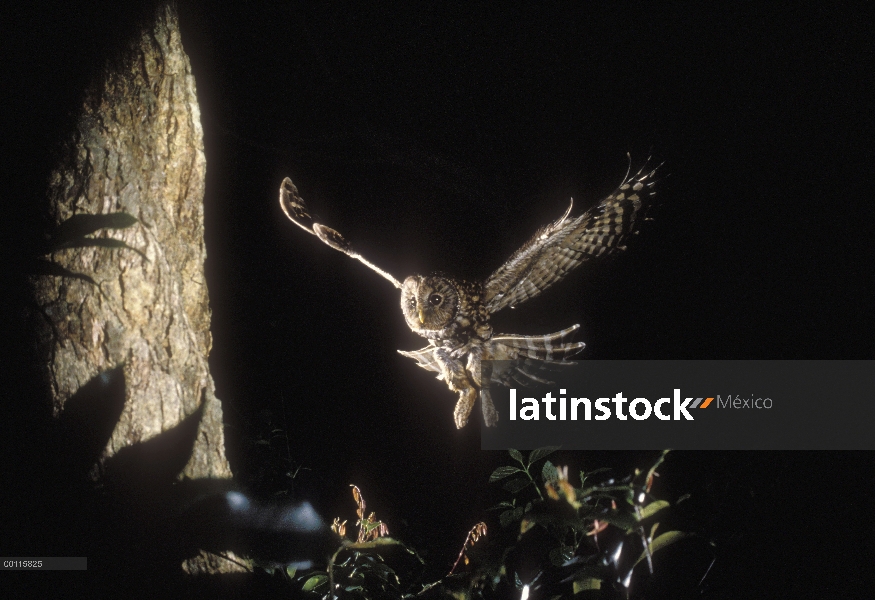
438, 138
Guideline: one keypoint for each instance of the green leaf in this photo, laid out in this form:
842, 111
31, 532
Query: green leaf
290, 571
517, 456
376, 544
605, 491
518, 512
558, 519
624, 521
559, 556
653, 508
587, 583
502, 472
382, 571
506, 518
549, 473
666, 539
515, 485
584, 475
314, 582
539, 453
599, 470
656, 464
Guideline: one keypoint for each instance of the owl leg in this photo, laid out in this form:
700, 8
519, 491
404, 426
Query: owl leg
467, 397
457, 379
490, 415
474, 367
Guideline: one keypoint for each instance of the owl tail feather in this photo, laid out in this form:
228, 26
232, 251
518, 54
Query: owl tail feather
552, 346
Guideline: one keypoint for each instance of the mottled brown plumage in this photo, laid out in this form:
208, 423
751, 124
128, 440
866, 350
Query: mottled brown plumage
453, 315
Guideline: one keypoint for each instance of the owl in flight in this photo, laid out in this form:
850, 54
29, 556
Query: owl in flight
453, 315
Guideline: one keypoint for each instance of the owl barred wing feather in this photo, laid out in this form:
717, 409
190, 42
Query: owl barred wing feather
523, 358
298, 213
526, 360
540, 347
295, 207
516, 360
425, 358
560, 247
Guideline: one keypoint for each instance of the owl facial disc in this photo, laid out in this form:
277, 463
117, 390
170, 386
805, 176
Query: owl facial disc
428, 303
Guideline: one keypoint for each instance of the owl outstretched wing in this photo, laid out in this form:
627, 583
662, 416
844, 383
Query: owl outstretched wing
298, 213
560, 247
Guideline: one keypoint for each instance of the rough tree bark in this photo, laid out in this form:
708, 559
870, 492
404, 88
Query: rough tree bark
138, 148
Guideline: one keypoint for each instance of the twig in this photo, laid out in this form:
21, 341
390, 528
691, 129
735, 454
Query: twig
478, 530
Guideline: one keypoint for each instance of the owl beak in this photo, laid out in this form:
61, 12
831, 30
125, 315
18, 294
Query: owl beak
421, 318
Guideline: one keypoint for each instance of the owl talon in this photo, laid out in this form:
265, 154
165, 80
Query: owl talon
490, 415
464, 406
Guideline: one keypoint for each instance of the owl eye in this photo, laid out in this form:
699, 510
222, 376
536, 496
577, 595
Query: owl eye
435, 299
411, 302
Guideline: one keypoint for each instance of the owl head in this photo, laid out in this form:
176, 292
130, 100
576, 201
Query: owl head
428, 303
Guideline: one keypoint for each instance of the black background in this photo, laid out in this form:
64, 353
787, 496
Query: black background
438, 138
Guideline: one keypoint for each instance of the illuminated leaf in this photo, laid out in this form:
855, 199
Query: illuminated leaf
549, 473
502, 472
314, 582
559, 556
653, 508
649, 479
624, 521
587, 583
540, 453
666, 539
380, 542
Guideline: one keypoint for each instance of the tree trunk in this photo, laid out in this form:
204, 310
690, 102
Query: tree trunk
137, 149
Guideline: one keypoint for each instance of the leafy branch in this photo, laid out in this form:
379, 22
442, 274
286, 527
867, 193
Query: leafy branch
364, 573
620, 511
